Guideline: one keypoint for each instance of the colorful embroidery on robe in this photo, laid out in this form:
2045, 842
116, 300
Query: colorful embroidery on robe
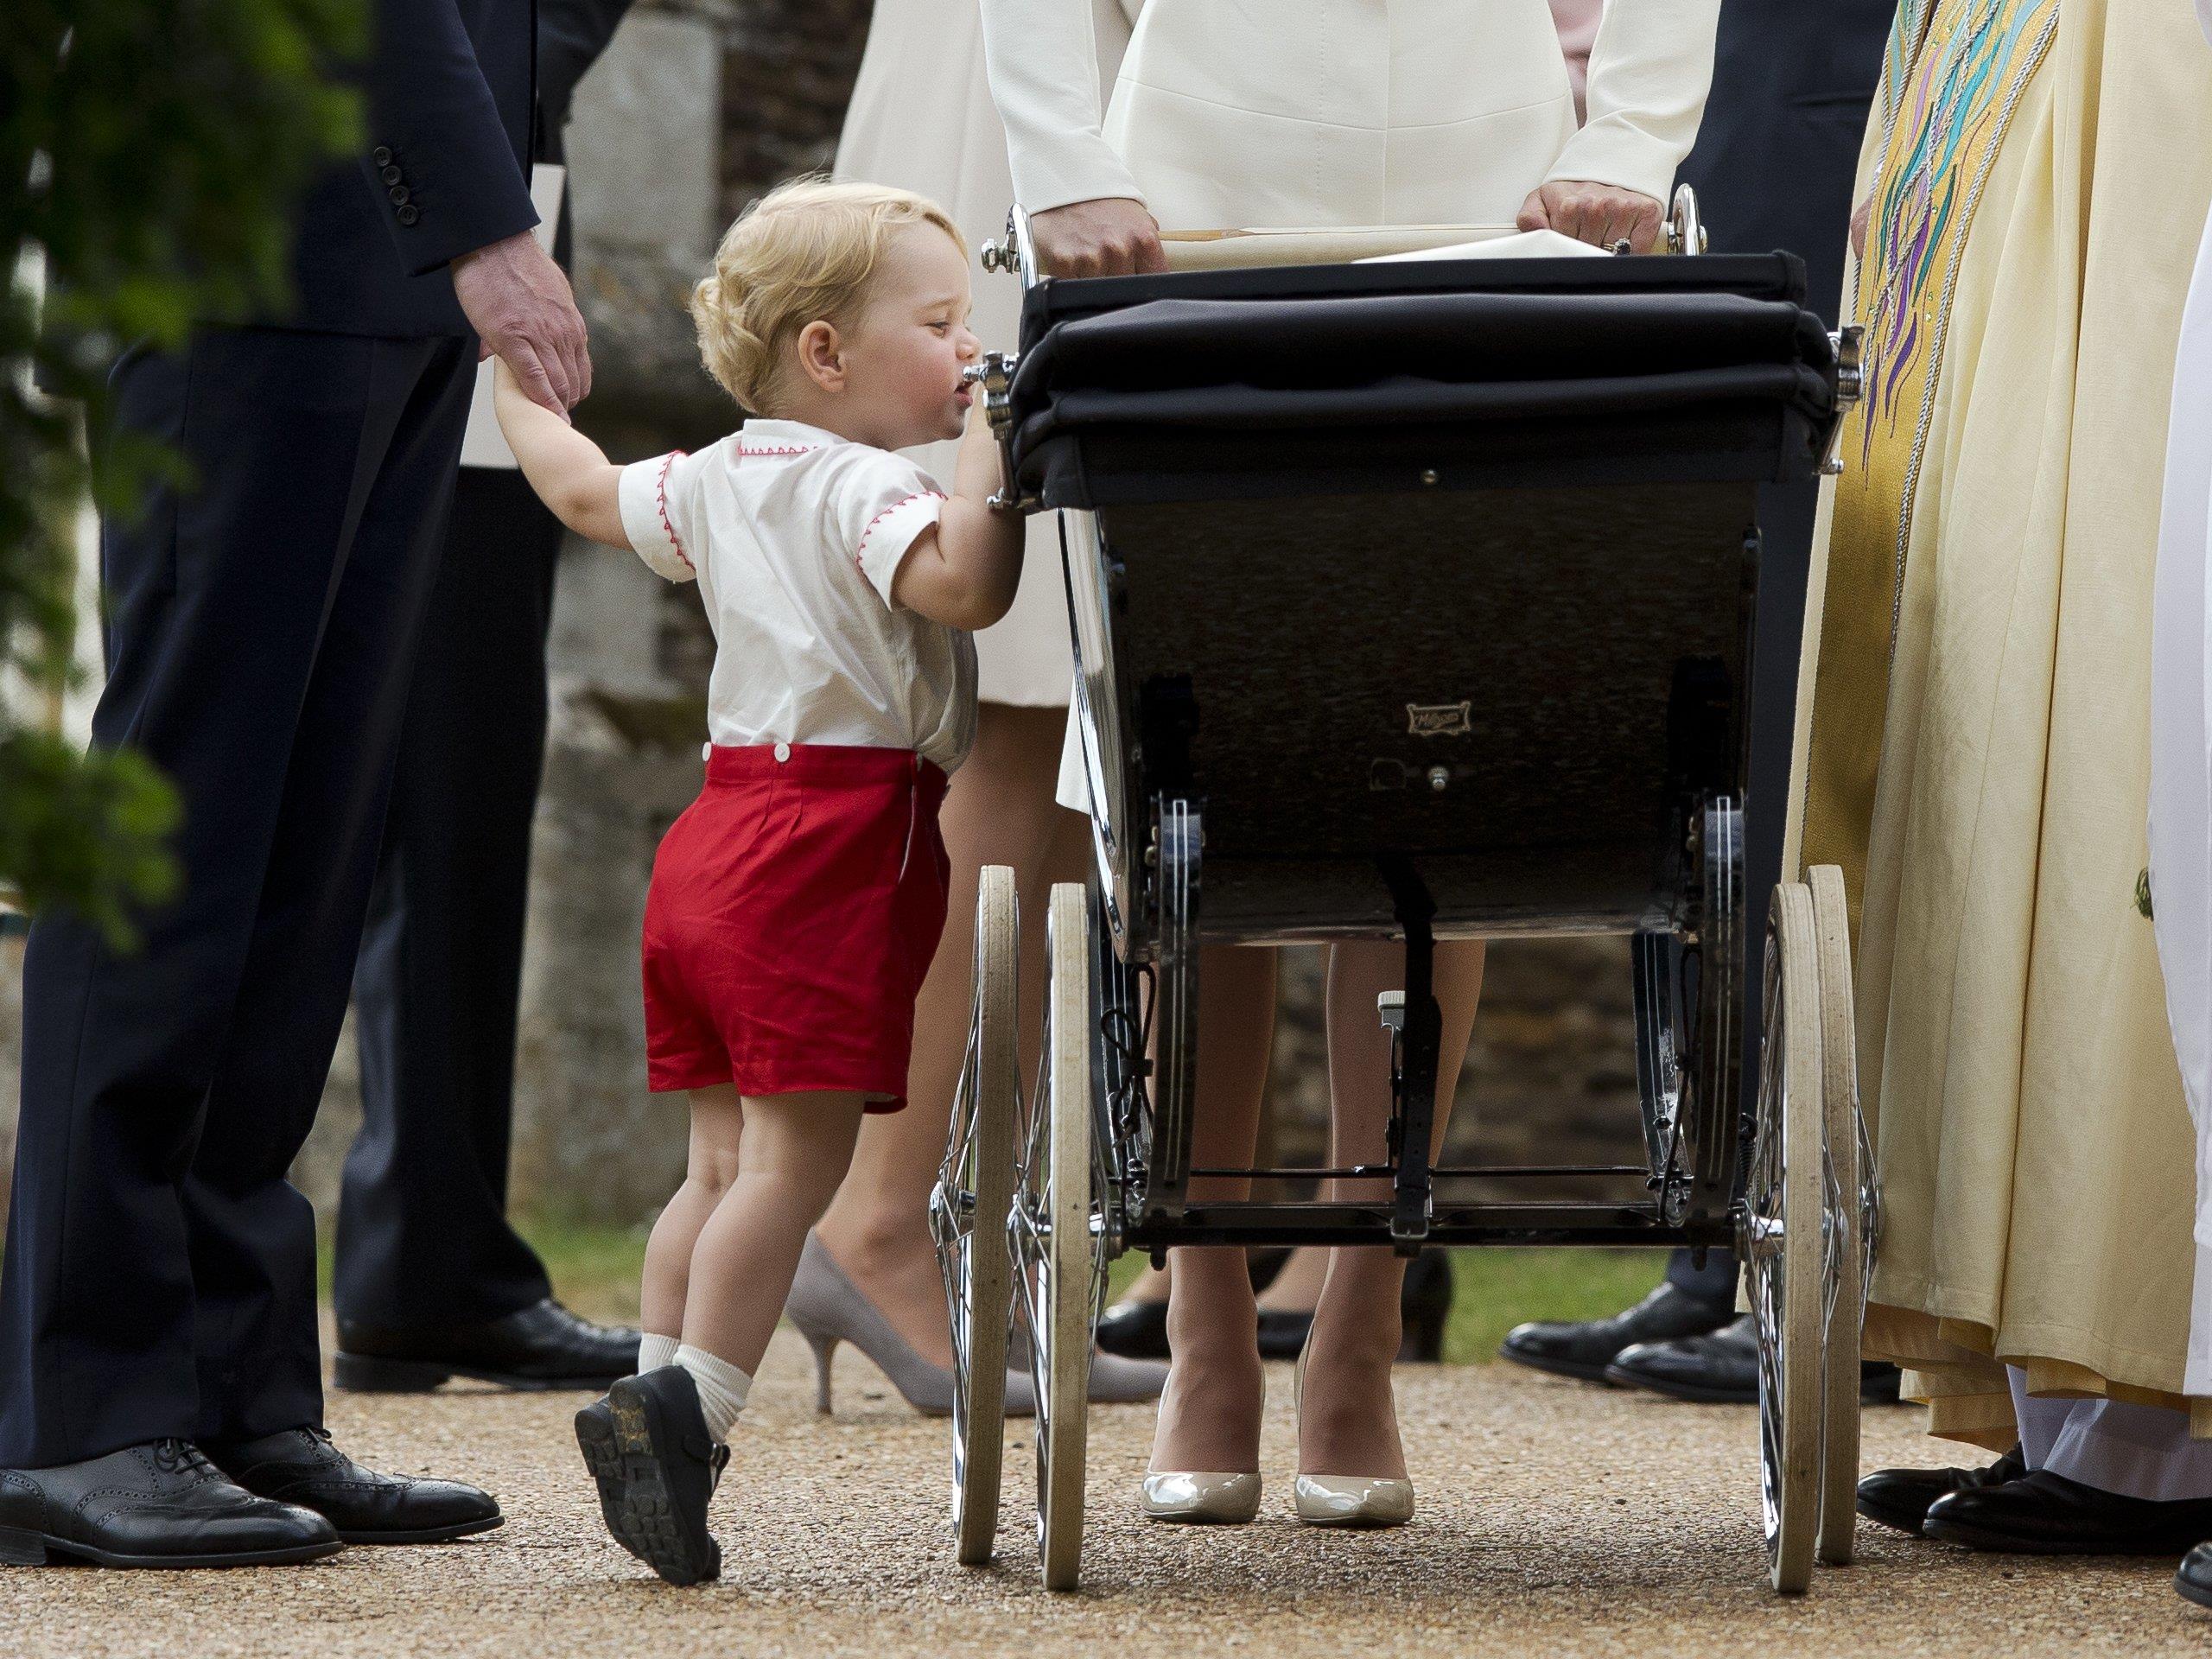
1955, 72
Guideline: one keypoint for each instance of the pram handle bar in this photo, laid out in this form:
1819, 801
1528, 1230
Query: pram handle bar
1683, 232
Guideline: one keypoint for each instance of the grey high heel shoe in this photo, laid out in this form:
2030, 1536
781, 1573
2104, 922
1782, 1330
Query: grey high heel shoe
828, 1308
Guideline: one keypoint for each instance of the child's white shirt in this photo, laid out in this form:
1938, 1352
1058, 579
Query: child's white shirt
794, 536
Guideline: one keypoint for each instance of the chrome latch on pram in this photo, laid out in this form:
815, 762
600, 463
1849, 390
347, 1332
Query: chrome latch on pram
1849, 342
1017, 255
995, 374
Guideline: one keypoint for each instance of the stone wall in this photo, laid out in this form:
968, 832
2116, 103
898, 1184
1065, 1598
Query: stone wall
698, 107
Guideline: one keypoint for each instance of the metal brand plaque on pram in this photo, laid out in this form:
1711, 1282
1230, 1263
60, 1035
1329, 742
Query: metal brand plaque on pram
1440, 719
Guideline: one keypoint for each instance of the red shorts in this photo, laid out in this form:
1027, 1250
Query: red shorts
794, 910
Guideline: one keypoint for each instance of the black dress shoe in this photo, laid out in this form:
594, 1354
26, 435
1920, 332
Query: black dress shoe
1425, 1305
159, 1505
1722, 1368
646, 1445
541, 1346
1584, 1348
1135, 1330
300, 1467
1900, 1498
2195, 1578
1424, 1308
1138, 1330
1718, 1367
2044, 1514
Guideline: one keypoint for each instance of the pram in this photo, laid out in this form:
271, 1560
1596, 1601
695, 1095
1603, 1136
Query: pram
1517, 705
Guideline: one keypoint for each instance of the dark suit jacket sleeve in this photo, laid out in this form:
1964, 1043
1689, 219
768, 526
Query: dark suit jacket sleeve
571, 34
432, 119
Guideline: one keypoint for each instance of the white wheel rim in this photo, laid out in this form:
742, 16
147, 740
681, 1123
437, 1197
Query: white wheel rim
1780, 1241
974, 1192
1053, 1228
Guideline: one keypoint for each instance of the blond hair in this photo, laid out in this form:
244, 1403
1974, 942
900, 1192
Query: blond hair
805, 252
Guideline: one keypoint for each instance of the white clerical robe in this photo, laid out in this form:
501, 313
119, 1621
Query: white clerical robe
1252, 113
2181, 758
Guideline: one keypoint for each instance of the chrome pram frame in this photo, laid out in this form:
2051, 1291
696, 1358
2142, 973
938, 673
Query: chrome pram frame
1103, 1151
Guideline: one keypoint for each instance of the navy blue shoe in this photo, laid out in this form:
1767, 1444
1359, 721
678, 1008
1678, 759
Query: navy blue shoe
646, 1445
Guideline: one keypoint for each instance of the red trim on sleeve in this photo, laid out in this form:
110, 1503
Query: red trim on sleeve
859, 552
660, 500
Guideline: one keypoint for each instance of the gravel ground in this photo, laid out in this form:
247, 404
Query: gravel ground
1555, 1519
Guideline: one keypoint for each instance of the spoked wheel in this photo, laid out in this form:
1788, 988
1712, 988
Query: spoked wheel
1846, 1221
1779, 1239
968, 1211
1056, 1261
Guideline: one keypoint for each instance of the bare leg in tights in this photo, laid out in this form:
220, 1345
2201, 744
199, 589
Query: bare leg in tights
998, 811
1348, 1425
1210, 1415
722, 1254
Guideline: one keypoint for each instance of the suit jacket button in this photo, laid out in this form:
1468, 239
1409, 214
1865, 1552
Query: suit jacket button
398, 194
409, 214
390, 174
381, 155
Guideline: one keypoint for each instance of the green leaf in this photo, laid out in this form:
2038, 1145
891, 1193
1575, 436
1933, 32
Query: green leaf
152, 151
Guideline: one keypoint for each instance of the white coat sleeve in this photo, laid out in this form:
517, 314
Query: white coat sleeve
1041, 57
1650, 68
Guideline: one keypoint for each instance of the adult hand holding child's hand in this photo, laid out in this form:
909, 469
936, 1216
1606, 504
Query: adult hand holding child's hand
519, 303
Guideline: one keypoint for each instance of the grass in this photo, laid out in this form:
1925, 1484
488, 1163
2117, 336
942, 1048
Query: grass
596, 1271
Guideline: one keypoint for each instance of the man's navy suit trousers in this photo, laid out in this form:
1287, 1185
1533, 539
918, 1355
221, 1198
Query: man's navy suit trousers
160, 1274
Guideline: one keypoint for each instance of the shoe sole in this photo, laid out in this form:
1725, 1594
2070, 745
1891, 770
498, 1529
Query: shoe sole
2001, 1543
2198, 1593
364, 1373
1896, 1520
635, 1499
1580, 1370
22, 1548
423, 1535
1686, 1391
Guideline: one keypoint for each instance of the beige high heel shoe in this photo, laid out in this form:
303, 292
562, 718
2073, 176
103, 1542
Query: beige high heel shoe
1200, 1499
1347, 1500
1193, 1498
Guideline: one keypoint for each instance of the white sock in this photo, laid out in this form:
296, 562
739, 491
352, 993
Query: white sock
655, 1351
723, 1388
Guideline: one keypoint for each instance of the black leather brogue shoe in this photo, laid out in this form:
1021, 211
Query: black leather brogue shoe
300, 1467
2044, 1514
541, 1346
159, 1505
1900, 1498
1584, 1348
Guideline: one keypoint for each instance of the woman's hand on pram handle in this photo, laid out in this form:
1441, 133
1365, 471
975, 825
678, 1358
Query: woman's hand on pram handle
1112, 236
1604, 215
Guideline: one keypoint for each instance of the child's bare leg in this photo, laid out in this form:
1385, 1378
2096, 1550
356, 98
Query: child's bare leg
1209, 1414
796, 1150
1348, 1425
717, 1122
